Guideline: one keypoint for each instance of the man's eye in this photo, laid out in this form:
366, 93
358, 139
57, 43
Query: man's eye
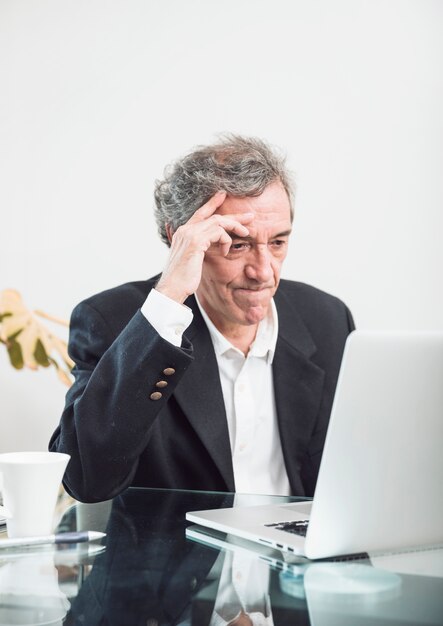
278, 243
239, 246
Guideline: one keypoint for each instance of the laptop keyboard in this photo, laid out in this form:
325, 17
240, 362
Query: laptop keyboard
296, 528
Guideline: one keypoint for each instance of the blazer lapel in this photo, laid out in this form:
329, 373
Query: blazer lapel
298, 385
199, 389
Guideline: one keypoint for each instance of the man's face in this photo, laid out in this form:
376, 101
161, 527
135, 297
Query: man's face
236, 290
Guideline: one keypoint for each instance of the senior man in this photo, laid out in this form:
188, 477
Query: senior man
216, 374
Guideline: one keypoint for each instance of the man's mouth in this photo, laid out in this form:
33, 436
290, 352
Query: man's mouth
254, 292
255, 289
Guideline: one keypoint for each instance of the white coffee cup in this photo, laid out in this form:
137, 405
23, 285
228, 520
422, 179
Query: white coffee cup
31, 482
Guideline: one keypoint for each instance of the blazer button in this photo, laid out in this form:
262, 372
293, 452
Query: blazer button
161, 384
169, 371
156, 395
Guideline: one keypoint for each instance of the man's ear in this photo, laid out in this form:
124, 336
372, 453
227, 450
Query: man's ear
169, 232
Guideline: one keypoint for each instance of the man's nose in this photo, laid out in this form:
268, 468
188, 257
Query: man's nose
259, 265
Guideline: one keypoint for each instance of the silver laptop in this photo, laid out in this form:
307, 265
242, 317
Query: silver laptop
380, 485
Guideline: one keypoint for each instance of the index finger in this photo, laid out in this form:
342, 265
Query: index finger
210, 207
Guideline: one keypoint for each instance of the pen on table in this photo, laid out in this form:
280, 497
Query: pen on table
74, 537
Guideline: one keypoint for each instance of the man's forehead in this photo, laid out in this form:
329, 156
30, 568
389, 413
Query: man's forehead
270, 223
270, 205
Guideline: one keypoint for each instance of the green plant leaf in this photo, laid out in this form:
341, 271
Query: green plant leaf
40, 354
15, 354
15, 335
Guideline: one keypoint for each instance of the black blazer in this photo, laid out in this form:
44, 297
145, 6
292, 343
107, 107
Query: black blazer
118, 436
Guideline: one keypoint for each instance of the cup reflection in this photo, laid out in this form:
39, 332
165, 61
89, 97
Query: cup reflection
29, 592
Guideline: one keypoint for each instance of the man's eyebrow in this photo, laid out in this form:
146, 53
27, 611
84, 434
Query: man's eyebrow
285, 233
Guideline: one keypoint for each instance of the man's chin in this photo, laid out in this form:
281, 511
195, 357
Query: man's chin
255, 314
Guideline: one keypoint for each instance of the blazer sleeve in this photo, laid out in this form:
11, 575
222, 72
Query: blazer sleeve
109, 412
351, 323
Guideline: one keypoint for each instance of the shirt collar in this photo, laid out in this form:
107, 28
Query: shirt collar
264, 342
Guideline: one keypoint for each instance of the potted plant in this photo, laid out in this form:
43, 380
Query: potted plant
28, 341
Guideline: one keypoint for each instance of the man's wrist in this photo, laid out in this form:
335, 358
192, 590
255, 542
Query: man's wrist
171, 291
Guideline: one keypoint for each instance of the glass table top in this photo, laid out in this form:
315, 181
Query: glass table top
154, 568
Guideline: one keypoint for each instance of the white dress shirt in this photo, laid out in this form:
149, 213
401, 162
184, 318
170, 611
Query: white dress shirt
248, 393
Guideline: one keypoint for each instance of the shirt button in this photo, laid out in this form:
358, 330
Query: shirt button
242, 387
161, 384
169, 371
156, 395
242, 446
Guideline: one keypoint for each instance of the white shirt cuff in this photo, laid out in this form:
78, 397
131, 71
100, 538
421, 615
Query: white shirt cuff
169, 318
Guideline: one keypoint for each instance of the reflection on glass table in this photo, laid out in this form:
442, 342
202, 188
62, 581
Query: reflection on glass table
36, 583
155, 569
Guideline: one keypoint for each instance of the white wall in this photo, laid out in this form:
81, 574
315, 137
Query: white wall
98, 95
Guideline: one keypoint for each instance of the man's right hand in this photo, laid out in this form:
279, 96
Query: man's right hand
182, 274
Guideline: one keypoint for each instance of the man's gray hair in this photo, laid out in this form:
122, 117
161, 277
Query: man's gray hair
241, 166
